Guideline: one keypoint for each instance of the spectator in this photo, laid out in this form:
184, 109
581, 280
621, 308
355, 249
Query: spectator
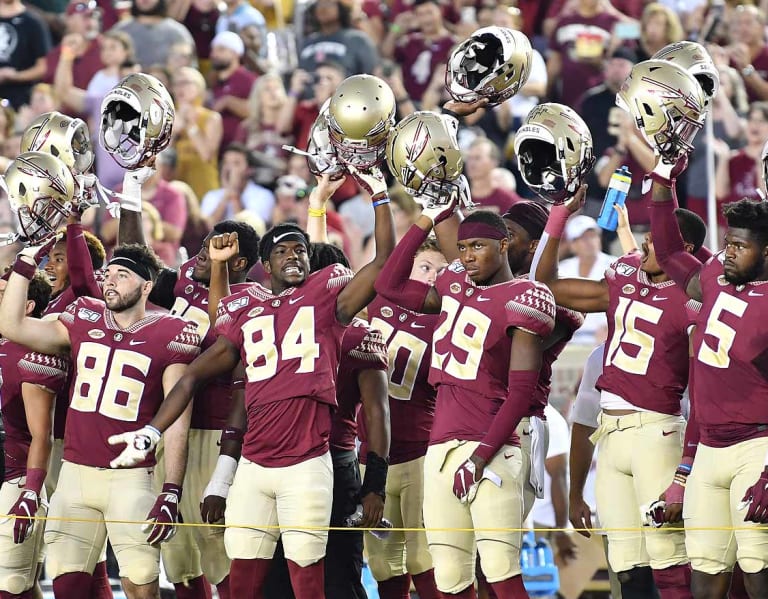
255, 58
197, 133
24, 43
152, 31
82, 38
421, 52
588, 262
599, 111
238, 192
334, 39
232, 83
503, 178
577, 47
482, 157
748, 51
659, 27
116, 51
739, 174
259, 132
153, 233
199, 17
43, 100
239, 14
182, 54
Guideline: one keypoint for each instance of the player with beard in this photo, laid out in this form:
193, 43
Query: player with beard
644, 376
288, 335
196, 556
30, 382
486, 380
125, 360
724, 506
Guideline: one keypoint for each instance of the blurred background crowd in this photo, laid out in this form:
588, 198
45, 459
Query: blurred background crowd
249, 78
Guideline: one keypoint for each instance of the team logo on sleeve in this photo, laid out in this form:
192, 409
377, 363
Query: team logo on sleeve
455, 288
625, 269
96, 334
236, 304
628, 289
89, 315
189, 289
387, 312
256, 311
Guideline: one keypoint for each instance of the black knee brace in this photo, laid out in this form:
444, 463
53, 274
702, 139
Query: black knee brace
637, 583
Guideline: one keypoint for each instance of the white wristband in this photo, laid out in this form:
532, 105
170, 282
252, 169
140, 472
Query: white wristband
222, 477
130, 198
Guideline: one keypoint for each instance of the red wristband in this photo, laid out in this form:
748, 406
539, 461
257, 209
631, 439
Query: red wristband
558, 217
35, 479
25, 269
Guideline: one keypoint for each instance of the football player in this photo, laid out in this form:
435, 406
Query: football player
723, 504
125, 360
30, 383
486, 379
288, 335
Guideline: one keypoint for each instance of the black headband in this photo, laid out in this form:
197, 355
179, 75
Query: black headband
290, 235
140, 269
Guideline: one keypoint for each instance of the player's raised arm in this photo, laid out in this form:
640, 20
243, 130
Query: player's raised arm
578, 294
79, 261
360, 290
680, 265
47, 337
318, 198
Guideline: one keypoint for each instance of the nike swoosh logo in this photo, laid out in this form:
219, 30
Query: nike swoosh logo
753, 293
480, 298
293, 300
657, 298
134, 342
205, 302
667, 433
417, 326
277, 238
3, 355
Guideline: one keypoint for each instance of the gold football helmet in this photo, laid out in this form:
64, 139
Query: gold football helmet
667, 103
320, 153
493, 63
136, 120
695, 59
423, 155
40, 189
360, 114
554, 151
62, 136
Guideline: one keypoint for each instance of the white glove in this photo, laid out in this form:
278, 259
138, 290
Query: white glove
488, 474
36, 253
138, 445
371, 180
222, 477
437, 213
130, 199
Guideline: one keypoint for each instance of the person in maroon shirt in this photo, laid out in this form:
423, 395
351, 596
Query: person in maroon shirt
125, 360
644, 376
232, 83
288, 335
481, 158
748, 50
486, 379
30, 383
730, 391
396, 560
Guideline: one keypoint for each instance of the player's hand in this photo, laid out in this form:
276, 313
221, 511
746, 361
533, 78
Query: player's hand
566, 548
130, 198
138, 445
24, 510
324, 191
437, 213
580, 515
673, 497
577, 200
465, 108
371, 180
665, 172
756, 499
373, 510
212, 508
36, 253
164, 515
223, 247
465, 477
623, 215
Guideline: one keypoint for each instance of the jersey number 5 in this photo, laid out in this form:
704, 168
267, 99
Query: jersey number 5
298, 342
625, 319
725, 335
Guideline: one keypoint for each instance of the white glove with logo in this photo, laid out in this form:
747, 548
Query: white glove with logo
138, 445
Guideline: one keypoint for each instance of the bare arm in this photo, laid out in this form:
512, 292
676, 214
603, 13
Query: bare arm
64, 82
175, 447
580, 463
178, 9
318, 199
557, 468
44, 336
38, 408
34, 73
206, 141
554, 68
374, 395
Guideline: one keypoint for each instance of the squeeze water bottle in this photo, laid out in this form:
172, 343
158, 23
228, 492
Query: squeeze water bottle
617, 191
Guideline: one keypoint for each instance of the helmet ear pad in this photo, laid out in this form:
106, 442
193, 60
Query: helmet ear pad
536, 158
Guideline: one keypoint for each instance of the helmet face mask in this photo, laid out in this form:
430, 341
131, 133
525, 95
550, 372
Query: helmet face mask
554, 151
136, 120
40, 189
667, 104
61, 136
360, 115
494, 63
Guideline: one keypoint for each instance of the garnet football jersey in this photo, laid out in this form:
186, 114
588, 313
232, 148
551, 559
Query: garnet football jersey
646, 354
731, 350
212, 400
118, 376
18, 366
471, 348
290, 345
362, 348
411, 398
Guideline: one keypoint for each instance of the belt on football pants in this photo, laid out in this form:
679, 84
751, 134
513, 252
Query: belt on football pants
610, 424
